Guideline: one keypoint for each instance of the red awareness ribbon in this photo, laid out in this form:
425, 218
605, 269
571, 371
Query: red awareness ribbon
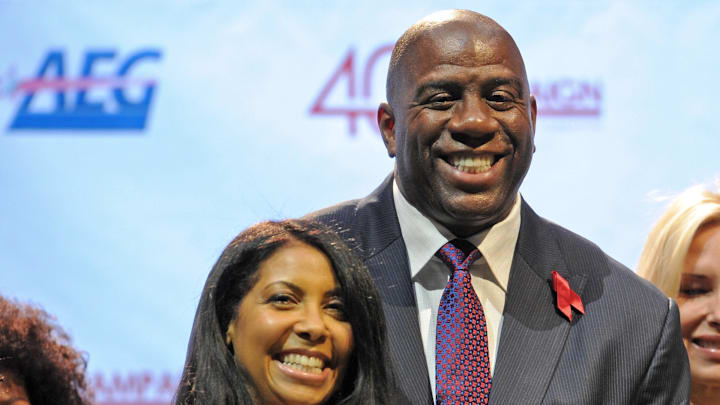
566, 297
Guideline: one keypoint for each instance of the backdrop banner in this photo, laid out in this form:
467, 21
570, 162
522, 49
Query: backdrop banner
137, 138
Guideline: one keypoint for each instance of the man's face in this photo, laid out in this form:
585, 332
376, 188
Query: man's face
461, 126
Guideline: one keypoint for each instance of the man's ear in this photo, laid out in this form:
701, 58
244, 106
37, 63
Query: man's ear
386, 122
533, 115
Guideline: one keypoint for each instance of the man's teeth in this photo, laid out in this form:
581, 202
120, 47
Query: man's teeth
303, 363
472, 164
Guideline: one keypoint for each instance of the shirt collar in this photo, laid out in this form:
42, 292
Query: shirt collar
423, 237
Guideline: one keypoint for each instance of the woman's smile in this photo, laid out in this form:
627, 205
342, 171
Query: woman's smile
290, 333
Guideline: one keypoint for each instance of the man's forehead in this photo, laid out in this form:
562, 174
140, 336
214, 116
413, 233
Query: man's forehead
460, 43
455, 37
462, 40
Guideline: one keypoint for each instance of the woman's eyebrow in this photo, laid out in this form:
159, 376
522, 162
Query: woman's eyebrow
294, 287
335, 292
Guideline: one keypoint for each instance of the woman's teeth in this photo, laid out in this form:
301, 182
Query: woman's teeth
303, 363
472, 164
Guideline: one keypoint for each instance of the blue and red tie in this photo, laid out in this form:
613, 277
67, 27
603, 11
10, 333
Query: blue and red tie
462, 363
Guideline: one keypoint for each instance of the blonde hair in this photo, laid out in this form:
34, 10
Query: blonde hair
663, 257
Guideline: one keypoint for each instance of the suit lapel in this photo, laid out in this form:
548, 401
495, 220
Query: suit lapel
533, 331
405, 343
385, 255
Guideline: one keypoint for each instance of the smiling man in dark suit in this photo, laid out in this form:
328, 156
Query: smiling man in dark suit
537, 315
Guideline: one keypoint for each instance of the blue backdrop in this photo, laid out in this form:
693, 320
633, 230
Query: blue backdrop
137, 138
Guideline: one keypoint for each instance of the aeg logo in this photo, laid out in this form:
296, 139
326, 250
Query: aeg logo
557, 98
110, 101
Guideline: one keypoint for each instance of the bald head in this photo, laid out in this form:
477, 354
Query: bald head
447, 28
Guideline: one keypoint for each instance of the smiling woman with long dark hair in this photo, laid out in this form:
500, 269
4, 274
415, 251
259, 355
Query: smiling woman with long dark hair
288, 315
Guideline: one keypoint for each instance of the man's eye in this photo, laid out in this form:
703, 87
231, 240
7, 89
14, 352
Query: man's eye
500, 100
440, 101
500, 97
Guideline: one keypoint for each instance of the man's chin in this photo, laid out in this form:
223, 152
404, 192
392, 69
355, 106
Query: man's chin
472, 214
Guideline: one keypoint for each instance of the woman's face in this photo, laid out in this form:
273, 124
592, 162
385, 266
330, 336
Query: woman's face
12, 389
290, 332
699, 301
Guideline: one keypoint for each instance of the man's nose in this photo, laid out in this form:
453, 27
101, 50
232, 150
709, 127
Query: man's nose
311, 325
472, 118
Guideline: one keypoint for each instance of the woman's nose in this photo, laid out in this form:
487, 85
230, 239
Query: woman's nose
311, 326
714, 310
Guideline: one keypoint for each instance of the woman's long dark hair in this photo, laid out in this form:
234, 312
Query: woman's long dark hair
211, 377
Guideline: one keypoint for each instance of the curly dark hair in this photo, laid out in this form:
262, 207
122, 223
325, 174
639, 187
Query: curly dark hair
40, 353
211, 376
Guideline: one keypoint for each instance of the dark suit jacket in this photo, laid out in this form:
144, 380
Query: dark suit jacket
626, 349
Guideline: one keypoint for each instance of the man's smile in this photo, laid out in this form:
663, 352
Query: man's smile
473, 163
472, 171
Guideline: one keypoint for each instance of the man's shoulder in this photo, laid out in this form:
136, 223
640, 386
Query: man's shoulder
605, 276
359, 213
628, 336
342, 218
368, 224
343, 212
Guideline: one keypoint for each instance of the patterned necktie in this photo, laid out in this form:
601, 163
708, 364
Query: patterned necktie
462, 364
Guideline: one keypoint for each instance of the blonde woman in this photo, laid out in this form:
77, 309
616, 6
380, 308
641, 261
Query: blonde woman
682, 258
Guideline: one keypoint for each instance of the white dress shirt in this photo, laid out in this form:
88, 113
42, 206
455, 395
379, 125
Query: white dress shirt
489, 274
